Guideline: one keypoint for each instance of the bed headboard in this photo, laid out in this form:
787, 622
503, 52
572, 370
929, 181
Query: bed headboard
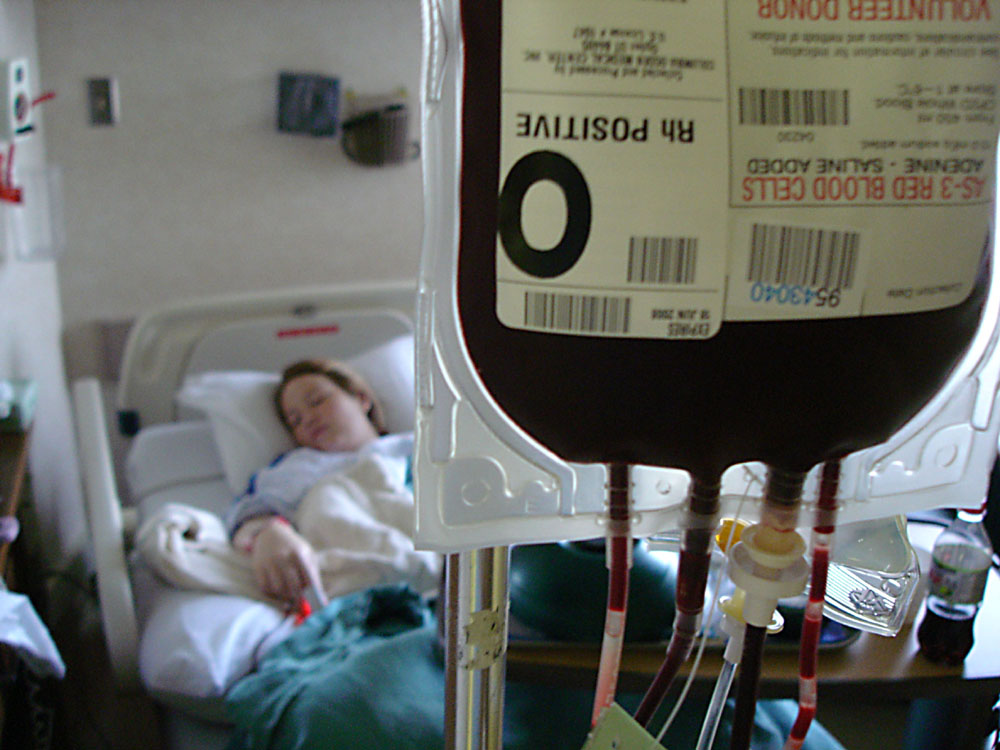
260, 331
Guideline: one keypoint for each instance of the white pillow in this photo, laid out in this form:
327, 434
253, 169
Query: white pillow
240, 406
389, 370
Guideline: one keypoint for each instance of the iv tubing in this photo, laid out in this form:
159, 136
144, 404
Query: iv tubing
619, 563
714, 713
732, 624
691, 673
782, 495
703, 506
731, 654
809, 645
746, 687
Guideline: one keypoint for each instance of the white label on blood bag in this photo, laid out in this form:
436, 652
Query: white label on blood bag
668, 165
863, 137
622, 107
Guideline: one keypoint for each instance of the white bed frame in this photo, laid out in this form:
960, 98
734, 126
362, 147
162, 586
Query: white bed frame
261, 331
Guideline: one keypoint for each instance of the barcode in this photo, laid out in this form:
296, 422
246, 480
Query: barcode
577, 312
798, 107
662, 260
820, 258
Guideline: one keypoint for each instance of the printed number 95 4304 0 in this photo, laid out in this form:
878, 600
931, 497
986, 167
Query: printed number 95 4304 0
794, 294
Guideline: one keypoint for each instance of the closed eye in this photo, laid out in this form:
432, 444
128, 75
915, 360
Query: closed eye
317, 399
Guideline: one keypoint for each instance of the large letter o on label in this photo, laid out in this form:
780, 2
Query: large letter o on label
529, 169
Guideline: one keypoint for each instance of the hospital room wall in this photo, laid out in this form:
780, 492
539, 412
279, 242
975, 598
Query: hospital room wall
195, 191
30, 323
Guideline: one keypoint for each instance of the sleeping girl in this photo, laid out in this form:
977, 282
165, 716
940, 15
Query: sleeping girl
338, 680
336, 512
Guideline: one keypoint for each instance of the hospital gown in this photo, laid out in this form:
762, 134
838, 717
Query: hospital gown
280, 487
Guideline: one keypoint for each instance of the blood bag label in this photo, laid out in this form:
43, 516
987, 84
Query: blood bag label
666, 166
862, 161
613, 177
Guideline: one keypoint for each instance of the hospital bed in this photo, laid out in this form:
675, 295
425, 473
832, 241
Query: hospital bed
193, 405
185, 648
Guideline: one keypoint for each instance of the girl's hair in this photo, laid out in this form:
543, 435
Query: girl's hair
342, 376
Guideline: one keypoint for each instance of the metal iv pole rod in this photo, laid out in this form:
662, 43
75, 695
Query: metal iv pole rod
476, 607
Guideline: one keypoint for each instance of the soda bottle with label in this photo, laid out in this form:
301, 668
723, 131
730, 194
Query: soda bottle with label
961, 561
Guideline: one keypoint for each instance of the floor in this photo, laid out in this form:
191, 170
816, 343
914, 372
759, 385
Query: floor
885, 728
867, 728
94, 717
90, 714
121, 727
99, 720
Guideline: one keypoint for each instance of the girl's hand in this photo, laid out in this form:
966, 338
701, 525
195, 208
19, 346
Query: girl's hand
284, 563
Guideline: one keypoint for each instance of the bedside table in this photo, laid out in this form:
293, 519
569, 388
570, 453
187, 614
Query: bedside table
13, 468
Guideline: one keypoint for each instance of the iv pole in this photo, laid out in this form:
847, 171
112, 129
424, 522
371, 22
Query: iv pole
475, 631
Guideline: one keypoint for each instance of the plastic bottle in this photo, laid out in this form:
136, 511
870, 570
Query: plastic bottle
962, 556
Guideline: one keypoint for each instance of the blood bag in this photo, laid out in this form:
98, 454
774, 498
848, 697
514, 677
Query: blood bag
694, 236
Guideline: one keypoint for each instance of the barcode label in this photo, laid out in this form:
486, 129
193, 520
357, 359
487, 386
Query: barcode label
815, 258
581, 313
794, 107
662, 260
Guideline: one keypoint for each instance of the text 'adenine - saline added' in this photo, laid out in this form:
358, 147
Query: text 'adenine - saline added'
665, 167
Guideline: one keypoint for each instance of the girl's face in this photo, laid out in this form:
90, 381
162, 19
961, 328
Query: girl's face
322, 415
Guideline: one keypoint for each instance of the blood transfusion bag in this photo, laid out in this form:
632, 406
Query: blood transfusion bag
746, 260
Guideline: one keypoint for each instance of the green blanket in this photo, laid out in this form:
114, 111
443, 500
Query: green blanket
366, 672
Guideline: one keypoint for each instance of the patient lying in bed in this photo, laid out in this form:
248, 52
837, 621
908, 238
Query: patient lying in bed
333, 515
367, 670
337, 511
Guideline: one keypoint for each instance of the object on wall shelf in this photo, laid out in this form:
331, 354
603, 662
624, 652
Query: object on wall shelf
308, 103
377, 129
35, 227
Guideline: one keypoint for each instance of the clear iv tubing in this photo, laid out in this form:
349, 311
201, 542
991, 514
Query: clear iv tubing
703, 507
714, 712
782, 495
693, 671
701, 648
826, 510
733, 625
619, 563
746, 687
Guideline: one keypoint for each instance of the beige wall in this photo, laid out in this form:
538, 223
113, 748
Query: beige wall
195, 192
30, 327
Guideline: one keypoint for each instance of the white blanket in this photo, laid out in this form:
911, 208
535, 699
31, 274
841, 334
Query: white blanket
360, 522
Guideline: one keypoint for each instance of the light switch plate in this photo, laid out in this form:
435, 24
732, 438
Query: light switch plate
102, 101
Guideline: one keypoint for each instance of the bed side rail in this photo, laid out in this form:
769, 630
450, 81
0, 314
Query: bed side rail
107, 534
